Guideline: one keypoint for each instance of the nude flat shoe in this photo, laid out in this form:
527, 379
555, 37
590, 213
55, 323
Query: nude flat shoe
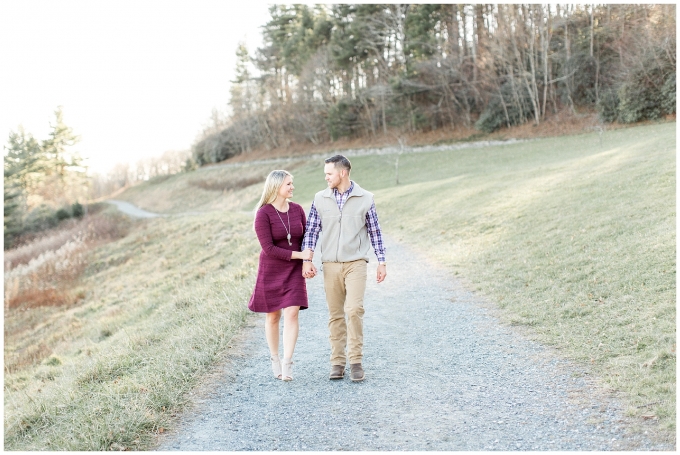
287, 374
276, 367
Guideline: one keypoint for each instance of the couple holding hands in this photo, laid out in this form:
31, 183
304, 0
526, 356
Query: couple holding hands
346, 214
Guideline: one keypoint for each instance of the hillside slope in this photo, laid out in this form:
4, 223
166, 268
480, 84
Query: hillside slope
571, 238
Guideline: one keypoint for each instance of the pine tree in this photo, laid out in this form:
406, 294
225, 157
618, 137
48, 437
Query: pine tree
40, 177
23, 172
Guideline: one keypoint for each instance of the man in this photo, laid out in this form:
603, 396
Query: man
346, 213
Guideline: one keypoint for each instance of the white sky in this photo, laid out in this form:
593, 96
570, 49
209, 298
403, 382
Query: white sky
135, 78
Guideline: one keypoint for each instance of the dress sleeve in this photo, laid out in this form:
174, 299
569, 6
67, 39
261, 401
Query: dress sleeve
264, 235
304, 220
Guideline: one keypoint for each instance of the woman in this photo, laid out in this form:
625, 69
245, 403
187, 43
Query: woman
280, 286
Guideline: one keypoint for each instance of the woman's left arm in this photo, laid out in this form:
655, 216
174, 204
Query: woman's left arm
304, 220
306, 255
264, 235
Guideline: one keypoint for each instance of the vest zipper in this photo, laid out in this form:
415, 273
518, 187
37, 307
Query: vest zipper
337, 249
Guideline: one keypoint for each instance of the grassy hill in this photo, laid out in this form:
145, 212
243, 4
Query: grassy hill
572, 238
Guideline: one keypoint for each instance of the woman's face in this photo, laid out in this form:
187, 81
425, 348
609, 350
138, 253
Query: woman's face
286, 190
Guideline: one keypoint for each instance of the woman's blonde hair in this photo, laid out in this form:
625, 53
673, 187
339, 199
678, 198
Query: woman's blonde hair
271, 187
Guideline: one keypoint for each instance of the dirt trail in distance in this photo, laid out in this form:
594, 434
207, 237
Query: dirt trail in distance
132, 210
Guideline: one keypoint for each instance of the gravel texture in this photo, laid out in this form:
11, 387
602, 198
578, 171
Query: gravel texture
442, 373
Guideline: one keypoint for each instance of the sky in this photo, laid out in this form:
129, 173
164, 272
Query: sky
134, 78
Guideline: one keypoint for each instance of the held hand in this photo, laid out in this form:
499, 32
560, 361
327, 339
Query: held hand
381, 273
307, 255
308, 270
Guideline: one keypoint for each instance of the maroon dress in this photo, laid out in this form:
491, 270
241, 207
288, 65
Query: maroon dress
280, 283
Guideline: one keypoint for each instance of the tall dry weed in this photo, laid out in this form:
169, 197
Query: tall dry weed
29, 356
47, 242
44, 272
95, 226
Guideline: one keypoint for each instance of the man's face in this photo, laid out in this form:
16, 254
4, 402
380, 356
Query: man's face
333, 175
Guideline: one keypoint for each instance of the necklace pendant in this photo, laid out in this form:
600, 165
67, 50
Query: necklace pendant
289, 242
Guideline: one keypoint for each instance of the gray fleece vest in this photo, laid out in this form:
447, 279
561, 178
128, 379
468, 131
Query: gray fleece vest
344, 236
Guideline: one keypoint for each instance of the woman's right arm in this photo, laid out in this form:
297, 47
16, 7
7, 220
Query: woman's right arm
305, 255
264, 235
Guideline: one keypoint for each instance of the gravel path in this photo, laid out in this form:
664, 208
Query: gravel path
441, 374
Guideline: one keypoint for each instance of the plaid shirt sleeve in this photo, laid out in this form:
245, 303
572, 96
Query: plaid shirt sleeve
312, 230
375, 234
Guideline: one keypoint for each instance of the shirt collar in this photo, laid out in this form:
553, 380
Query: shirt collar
349, 190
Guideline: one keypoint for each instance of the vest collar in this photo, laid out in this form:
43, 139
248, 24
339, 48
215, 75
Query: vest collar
356, 191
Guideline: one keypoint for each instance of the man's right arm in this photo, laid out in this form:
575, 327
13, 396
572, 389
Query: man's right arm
312, 230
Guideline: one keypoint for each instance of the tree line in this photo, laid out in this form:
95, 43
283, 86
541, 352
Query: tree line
43, 180
46, 181
123, 175
331, 71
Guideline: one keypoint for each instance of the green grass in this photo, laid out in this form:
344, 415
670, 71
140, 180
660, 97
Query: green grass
573, 241
162, 305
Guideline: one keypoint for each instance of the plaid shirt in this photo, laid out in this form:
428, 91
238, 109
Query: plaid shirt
314, 225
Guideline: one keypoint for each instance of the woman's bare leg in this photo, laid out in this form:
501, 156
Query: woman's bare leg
271, 331
291, 327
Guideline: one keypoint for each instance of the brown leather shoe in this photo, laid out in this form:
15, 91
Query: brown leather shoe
356, 372
337, 372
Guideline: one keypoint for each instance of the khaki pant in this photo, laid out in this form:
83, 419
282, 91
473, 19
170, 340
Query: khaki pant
345, 283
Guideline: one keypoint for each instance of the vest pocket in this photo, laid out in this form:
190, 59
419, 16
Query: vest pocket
354, 223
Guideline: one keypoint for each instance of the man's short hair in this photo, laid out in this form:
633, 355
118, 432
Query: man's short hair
340, 162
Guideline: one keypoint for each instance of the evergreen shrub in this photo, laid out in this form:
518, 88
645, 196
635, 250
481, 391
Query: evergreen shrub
77, 210
648, 92
608, 106
215, 148
493, 117
584, 69
668, 101
419, 119
40, 218
343, 118
62, 214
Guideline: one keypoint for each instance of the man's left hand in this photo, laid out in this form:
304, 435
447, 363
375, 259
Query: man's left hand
382, 273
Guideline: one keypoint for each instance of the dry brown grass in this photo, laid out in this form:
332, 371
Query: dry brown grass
161, 306
52, 240
32, 298
43, 277
27, 357
45, 272
30, 246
